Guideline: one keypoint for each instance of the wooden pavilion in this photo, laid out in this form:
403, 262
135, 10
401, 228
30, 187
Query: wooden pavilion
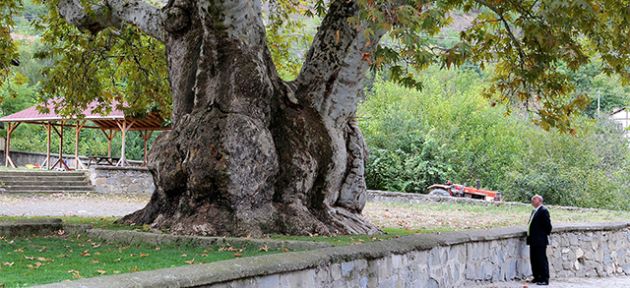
109, 124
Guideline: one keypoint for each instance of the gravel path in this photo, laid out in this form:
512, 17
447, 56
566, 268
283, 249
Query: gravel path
92, 205
610, 282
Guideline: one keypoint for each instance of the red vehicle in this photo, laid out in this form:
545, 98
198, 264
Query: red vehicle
456, 190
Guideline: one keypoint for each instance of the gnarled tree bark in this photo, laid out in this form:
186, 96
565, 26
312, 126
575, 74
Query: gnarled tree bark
250, 153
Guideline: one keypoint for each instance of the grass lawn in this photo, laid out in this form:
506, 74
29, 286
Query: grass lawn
38, 260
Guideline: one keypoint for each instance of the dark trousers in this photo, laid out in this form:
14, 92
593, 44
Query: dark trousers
540, 265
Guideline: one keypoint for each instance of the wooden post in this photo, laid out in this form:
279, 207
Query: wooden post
124, 127
60, 161
77, 161
48, 144
7, 144
146, 135
46, 162
61, 144
110, 136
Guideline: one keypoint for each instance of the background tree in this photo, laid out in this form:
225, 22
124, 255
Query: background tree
253, 153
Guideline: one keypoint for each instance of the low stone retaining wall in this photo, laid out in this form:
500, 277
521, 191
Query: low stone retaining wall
29, 228
130, 237
132, 180
429, 260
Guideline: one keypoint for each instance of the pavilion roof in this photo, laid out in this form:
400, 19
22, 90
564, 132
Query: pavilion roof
152, 121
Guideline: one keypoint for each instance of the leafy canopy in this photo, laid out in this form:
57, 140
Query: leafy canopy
532, 45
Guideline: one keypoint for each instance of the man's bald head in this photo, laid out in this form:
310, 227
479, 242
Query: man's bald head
537, 200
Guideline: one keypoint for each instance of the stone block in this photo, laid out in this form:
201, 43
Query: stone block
579, 253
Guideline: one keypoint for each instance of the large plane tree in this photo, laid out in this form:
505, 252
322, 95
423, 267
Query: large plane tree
251, 152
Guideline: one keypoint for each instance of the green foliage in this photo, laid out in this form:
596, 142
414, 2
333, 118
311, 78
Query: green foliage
289, 35
527, 42
589, 170
449, 131
556, 57
533, 46
8, 49
114, 66
593, 81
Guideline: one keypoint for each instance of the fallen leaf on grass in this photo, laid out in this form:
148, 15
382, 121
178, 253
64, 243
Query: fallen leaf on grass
144, 254
264, 248
134, 269
8, 264
238, 255
230, 249
190, 262
34, 266
102, 272
85, 253
75, 274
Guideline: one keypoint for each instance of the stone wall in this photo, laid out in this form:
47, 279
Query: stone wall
21, 159
133, 180
29, 227
429, 260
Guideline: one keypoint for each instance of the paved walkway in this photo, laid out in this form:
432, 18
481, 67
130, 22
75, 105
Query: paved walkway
609, 282
92, 205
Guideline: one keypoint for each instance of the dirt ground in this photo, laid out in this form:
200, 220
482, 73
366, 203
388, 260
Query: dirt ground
457, 216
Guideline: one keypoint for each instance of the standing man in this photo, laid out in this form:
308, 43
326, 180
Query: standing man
537, 239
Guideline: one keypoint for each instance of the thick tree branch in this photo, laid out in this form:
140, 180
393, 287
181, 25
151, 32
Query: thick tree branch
114, 13
331, 43
332, 76
335, 66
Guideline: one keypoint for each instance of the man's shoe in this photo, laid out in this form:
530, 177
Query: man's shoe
542, 283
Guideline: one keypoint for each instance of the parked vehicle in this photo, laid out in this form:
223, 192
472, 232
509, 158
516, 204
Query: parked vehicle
457, 190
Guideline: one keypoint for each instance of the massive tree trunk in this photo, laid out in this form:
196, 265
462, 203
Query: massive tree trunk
249, 153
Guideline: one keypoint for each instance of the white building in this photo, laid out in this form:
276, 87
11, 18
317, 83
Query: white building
622, 118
